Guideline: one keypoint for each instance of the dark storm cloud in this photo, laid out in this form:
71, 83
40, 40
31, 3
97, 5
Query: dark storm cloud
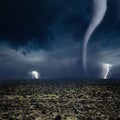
50, 64
41, 20
48, 36
26, 19
111, 22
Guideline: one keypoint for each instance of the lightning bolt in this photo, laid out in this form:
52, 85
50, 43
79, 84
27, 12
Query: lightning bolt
107, 68
35, 74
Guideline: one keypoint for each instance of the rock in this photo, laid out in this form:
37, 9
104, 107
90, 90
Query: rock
111, 118
118, 119
98, 118
38, 118
58, 117
72, 118
89, 118
43, 111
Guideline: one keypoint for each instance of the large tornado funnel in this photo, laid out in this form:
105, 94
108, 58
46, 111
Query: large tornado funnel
99, 10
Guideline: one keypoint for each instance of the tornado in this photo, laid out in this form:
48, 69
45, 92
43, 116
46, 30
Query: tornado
99, 10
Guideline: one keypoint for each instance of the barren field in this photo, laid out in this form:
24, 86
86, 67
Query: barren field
58, 100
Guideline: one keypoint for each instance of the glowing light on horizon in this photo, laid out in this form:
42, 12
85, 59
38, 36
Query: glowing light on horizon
107, 68
34, 74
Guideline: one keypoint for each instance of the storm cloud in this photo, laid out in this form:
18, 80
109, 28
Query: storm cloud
46, 35
40, 20
50, 64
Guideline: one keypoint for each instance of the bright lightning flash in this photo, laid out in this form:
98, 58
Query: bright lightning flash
35, 75
107, 68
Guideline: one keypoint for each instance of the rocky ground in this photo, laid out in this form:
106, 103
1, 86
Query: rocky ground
60, 101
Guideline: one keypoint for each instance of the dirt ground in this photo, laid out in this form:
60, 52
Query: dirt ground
58, 100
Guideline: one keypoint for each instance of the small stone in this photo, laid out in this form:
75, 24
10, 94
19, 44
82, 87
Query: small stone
43, 112
118, 119
89, 118
98, 118
58, 117
111, 118
38, 118
72, 118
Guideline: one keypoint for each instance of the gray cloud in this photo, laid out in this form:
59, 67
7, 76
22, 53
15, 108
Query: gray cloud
55, 63
51, 43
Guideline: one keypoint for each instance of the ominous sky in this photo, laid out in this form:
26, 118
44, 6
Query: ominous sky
46, 36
